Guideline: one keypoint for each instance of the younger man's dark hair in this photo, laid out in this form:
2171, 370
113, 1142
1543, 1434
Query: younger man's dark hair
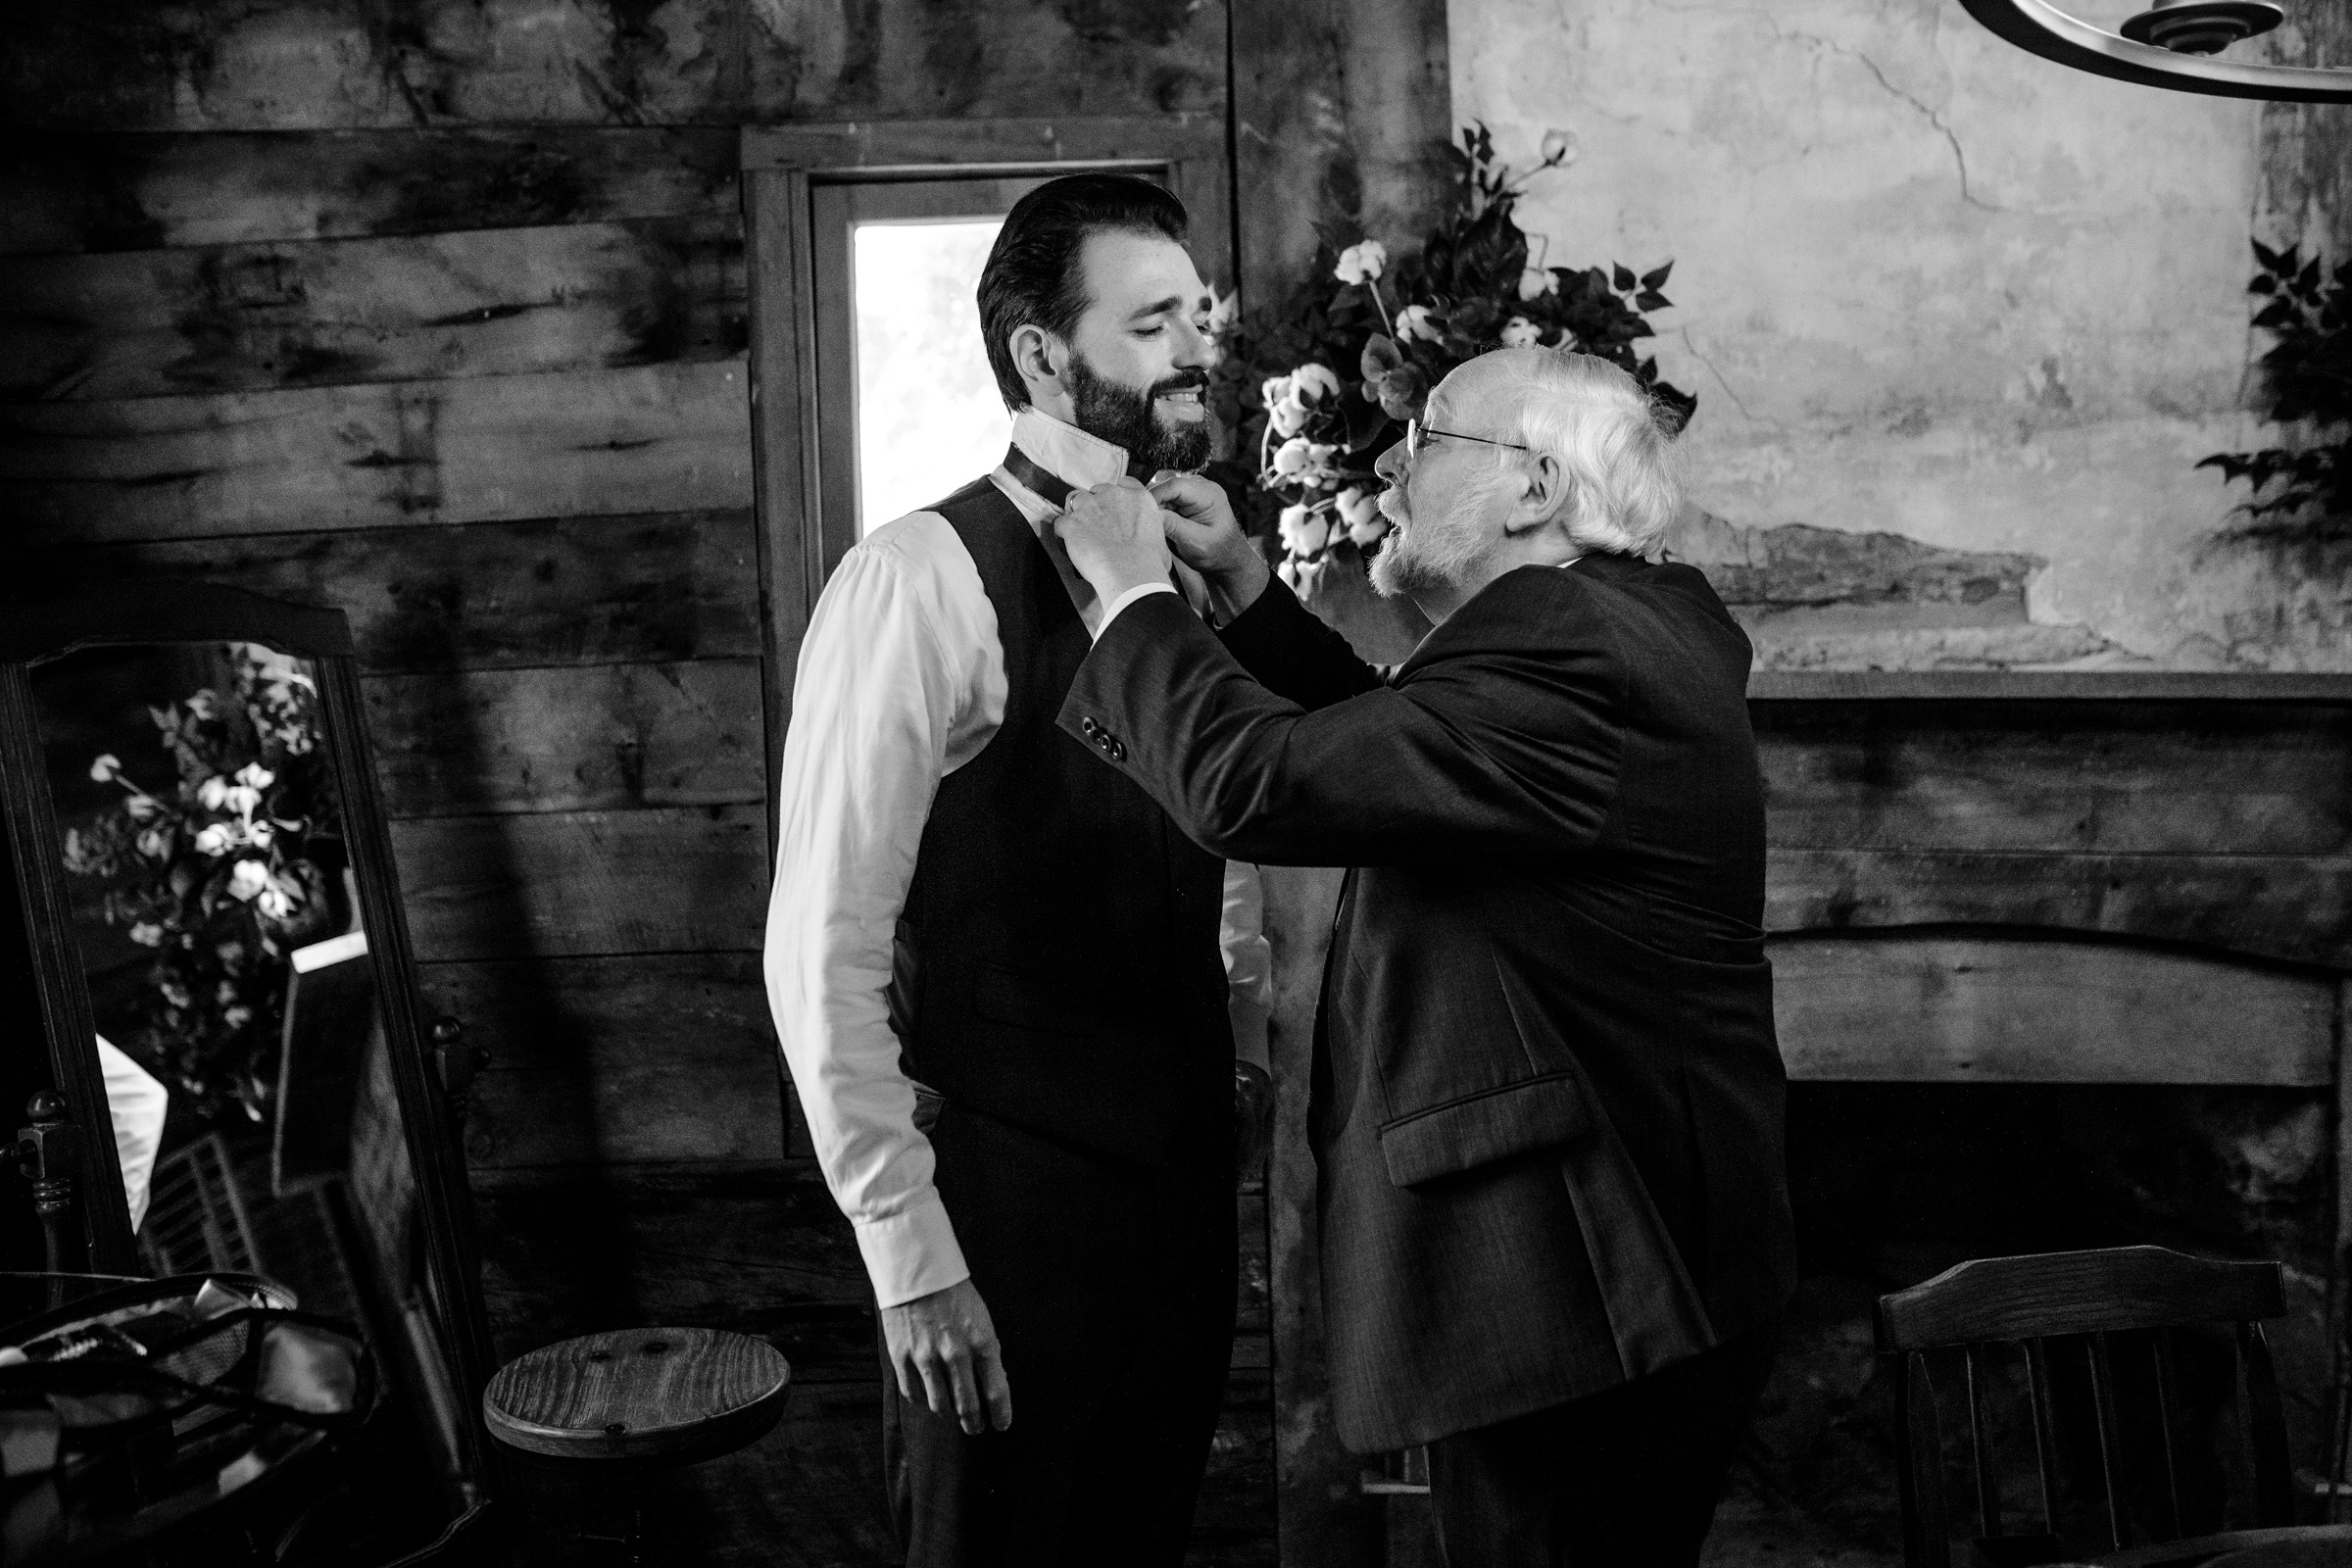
1033, 276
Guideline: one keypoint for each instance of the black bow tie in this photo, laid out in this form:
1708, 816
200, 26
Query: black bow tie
1053, 487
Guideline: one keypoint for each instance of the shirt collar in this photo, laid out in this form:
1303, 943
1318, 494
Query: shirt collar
1079, 460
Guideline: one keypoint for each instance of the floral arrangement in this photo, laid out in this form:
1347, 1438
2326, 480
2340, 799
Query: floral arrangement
221, 874
2306, 382
1357, 350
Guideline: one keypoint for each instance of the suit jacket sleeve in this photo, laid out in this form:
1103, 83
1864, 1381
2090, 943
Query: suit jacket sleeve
1281, 642
1496, 756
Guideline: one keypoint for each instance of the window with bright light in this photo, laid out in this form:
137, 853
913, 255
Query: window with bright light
929, 417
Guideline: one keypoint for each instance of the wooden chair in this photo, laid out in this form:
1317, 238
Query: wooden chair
2072, 1303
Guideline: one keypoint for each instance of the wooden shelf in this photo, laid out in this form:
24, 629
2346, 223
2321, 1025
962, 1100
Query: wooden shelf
2051, 685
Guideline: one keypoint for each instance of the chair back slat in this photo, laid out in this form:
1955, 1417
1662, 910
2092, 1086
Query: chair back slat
2047, 1295
2085, 1296
2102, 1401
2168, 1404
1980, 1447
2045, 1431
2265, 1417
1919, 1469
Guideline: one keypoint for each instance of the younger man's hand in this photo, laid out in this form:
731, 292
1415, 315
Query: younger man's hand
945, 1345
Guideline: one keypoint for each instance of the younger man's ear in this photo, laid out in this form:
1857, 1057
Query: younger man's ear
1039, 357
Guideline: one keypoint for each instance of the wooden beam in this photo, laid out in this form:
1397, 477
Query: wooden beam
437, 307
68, 192
2148, 779
667, 437
680, 879
1342, 112
1901, 1008
2044, 685
303, 65
597, 737
2273, 907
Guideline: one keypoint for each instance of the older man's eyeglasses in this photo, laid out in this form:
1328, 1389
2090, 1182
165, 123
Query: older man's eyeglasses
1417, 434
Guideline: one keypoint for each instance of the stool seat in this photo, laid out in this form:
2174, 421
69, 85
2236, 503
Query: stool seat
654, 1396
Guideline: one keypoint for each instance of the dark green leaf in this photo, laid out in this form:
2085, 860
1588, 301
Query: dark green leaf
1621, 275
1649, 299
1656, 278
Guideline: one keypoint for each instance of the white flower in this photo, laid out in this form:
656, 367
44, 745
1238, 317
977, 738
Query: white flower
261, 834
253, 775
1520, 333
1559, 147
273, 903
213, 840
243, 798
1304, 530
142, 807
106, 767
147, 934
1413, 321
175, 994
154, 844
247, 878
1274, 389
1294, 456
1288, 417
1535, 282
1359, 509
1312, 383
1360, 263
237, 1017
212, 792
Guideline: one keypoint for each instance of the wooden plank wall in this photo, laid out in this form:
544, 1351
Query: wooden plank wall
441, 319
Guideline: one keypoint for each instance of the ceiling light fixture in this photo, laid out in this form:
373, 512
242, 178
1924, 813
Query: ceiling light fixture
2170, 46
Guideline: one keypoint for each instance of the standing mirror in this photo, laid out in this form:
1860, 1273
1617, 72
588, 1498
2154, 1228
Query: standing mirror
210, 1037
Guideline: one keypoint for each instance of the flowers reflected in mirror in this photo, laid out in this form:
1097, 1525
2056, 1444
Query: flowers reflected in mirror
221, 854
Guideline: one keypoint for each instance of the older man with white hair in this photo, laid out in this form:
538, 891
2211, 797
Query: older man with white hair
1548, 1102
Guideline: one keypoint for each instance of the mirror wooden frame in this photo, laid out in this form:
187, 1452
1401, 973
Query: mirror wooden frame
160, 612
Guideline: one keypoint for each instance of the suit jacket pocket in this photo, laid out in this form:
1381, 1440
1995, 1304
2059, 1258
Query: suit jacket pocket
1479, 1129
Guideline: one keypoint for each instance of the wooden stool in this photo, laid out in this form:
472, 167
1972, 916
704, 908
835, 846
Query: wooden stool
639, 1400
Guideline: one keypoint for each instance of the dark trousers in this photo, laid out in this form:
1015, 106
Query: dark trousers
1113, 1291
1626, 1477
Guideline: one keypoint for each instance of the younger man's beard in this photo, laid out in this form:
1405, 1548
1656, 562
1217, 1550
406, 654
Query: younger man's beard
1123, 416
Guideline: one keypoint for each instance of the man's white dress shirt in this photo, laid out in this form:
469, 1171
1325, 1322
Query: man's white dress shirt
900, 682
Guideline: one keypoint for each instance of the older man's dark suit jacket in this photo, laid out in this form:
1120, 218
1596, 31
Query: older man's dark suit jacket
1547, 1105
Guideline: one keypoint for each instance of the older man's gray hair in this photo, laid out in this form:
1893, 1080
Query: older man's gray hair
1611, 438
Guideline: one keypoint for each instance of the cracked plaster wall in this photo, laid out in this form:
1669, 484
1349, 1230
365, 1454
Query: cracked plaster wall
1929, 286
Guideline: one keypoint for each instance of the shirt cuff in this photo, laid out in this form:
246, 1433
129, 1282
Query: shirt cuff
911, 1253
1140, 591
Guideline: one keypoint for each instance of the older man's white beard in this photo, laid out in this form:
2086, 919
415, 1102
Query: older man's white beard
1426, 557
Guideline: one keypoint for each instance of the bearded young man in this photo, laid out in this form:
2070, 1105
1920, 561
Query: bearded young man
1546, 1101
994, 965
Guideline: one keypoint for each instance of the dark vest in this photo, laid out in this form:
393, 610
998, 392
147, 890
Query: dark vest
1057, 964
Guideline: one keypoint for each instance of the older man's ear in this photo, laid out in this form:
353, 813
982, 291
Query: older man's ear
1546, 493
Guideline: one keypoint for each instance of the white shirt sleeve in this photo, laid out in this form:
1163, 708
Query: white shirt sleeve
1110, 611
890, 695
